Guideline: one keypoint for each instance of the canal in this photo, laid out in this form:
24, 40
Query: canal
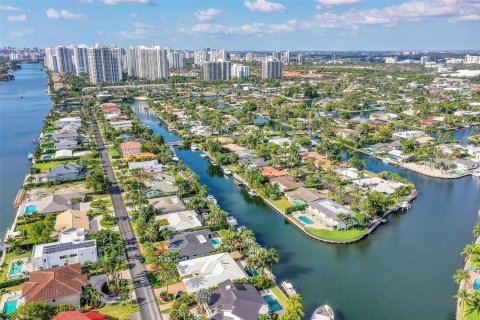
20, 121
403, 271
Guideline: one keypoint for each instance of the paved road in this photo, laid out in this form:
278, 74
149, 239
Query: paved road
148, 306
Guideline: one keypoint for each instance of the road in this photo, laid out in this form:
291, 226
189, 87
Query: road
147, 303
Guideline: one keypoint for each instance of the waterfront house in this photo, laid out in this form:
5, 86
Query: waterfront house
272, 172
65, 172
160, 184
286, 183
242, 152
131, 147
69, 121
167, 204
180, 221
66, 133
236, 301
409, 134
111, 108
347, 134
328, 211
209, 271
378, 184
320, 161
71, 219
280, 141
192, 244
65, 144
348, 173
63, 154
69, 249
55, 203
257, 163
151, 166
61, 285
303, 195
121, 125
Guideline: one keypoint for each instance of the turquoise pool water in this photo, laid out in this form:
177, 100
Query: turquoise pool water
216, 241
273, 304
10, 306
251, 272
15, 269
296, 202
47, 157
370, 150
30, 209
393, 158
456, 171
305, 220
476, 285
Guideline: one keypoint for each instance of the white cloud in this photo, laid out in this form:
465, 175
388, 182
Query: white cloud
63, 14
19, 18
140, 31
467, 17
115, 2
264, 6
9, 8
207, 28
133, 15
208, 15
337, 2
22, 32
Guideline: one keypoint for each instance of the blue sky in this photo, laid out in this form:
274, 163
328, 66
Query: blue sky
245, 24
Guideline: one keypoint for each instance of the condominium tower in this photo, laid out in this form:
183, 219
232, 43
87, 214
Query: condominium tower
217, 70
104, 64
272, 69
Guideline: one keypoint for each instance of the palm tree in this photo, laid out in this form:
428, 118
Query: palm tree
294, 309
203, 297
469, 251
461, 275
91, 296
476, 230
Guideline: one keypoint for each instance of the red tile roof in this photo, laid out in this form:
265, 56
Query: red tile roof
71, 315
50, 284
130, 145
92, 315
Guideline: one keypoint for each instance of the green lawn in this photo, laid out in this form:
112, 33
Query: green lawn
118, 310
156, 284
282, 204
113, 153
280, 295
108, 223
336, 235
45, 166
471, 316
233, 168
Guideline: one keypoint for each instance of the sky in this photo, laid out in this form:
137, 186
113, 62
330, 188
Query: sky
322, 25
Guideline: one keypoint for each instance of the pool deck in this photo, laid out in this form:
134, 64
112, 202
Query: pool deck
12, 295
269, 292
25, 267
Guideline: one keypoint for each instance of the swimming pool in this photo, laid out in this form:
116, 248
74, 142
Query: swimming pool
297, 202
369, 150
30, 209
47, 157
476, 285
305, 220
15, 269
216, 241
456, 171
393, 158
10, 306
273, 304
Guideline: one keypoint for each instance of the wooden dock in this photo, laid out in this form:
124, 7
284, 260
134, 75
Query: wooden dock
19, 198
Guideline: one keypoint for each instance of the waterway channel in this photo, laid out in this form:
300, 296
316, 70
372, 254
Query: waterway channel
403, 271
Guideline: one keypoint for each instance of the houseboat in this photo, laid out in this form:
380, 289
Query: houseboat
323, 313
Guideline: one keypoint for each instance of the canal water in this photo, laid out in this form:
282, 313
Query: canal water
403, 271
20, 121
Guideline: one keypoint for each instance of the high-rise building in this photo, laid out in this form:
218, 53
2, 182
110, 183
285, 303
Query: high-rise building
200, 57
240, 71
287, 57
64, 60
300, 57
249, 57
272, 69
425, 59
51, 59
276, 55
175, 59
471, 59
217, 70
131, 61
222, 55
80, 59
104, 64
147, 62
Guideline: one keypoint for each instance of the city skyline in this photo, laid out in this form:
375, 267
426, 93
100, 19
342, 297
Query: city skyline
245, 25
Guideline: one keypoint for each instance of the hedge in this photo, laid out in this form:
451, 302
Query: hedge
298, 207
11, 283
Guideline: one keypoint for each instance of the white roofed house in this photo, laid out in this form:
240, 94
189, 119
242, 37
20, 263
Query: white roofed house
328, 212
65, 144
66, 133
151, 166
378, 184
180, 221
409, 134
280, 141
69, 121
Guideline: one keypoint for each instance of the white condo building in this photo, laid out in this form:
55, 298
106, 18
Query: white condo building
59, 59
147, 62
200, 57
217, 70
287, 56
249, 57
175, 59
104, 64
240, 71
472, 59
80, 59
51, 59
272, 69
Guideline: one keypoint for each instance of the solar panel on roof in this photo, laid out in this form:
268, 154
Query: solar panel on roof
68, 246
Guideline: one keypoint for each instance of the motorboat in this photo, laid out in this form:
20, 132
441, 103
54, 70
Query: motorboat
476, 173
170, 128
194, 147
227, 171
211, 198
323, 313
237, 182
252, 193
232, 221
30, 156
288, 288
203, 155
175, 158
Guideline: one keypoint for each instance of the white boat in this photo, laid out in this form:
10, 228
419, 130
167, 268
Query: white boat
476, 173
211, 198
203, 155
194, 147
175, 158
232, 221
323, 313
237, 182
170, 128
30, 156
252, 193
227, 171
288, 288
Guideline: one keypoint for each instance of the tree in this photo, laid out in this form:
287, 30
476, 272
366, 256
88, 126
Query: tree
90, 296
203, 297
166, 267
34, 310
40, 231
294, 309
409, 145
97, 181
461, 275
476, 230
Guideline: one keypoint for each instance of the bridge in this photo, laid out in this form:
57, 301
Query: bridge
177, 143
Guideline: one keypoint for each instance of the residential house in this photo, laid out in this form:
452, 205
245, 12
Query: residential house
121, 125
286, 183
61, 285
347, 134
151, 166
378, 184
56, 203
281, 141
242, 152
72, 219
66, 133
180, 221
328, 211
409, 134
111, 108
209, 271
257, 163
160, 184
69, 121
319, 160
348, 173
167, 204
65, 172
65, 144
77, 315
303, 195
236, 301
193, 244
272, 172
63, 154
131, 147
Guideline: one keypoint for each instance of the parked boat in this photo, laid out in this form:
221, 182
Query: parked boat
252, 193
203, 155
232, 221
237, 182
170, 128
323, 313
476, 173
175, 158
211, 198
194, 147
21, 95
227, 172
30, 156
288, 288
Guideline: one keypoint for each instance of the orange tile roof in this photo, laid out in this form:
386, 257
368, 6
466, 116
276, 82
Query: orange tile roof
272, 172
317, 159
130, 145
140, 155
71, 315
50, 284
92, 315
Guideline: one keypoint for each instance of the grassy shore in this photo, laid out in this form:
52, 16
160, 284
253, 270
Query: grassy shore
336, 235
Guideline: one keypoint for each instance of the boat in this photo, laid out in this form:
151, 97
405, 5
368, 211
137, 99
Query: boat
237, 182
288, 288
384, 160
203, 155
252, 193
232, 221
30, 156
170, 128
323, 313
194, 147
227, 171
211, 198
21, 95
175, 158
476, 173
